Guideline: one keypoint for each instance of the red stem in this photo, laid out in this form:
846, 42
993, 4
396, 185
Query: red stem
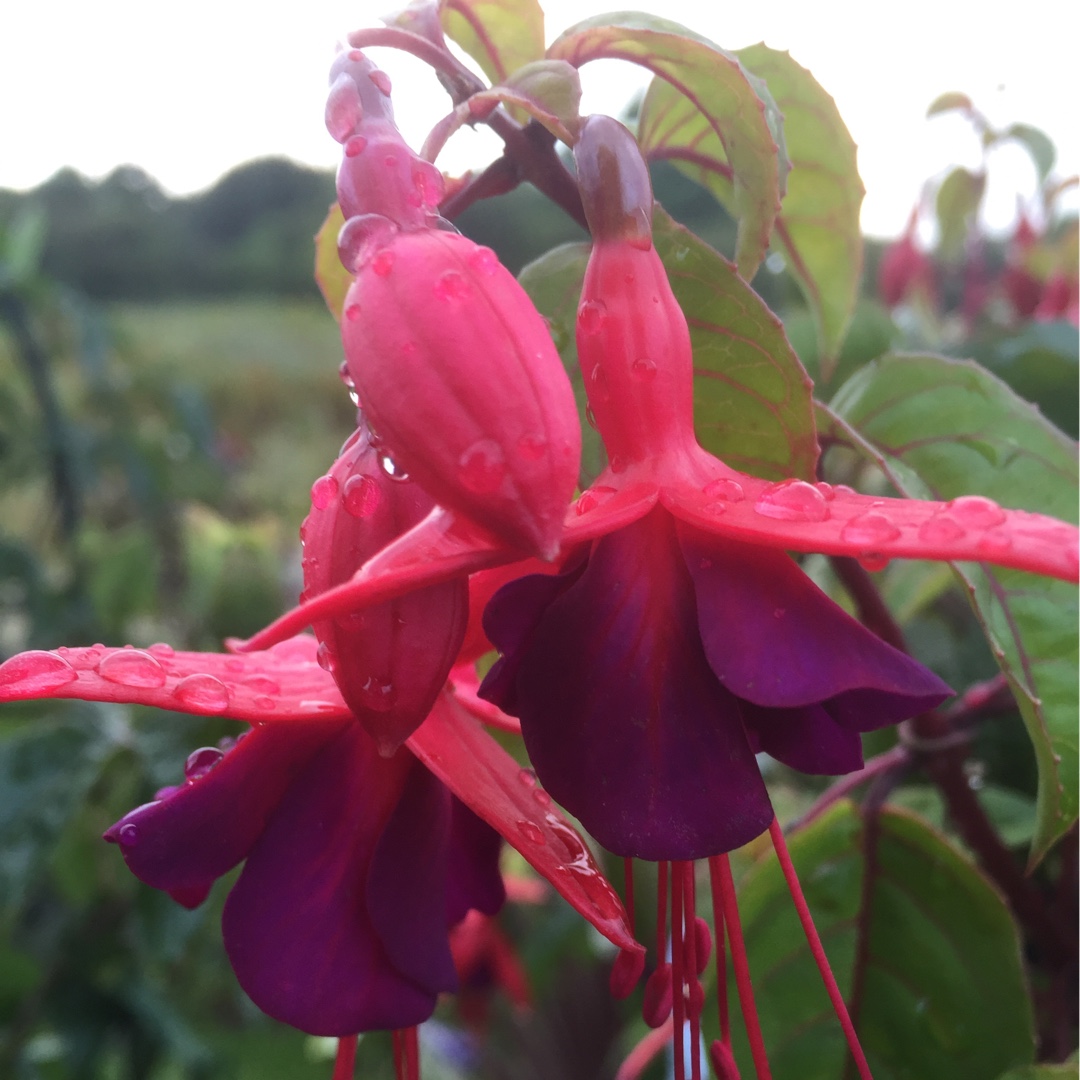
813, 939
346, 1058
742, 967
678, 999
639, 1059
896, 758
690, 962
720, 949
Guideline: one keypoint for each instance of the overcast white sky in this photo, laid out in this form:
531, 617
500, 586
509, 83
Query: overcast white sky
188, 90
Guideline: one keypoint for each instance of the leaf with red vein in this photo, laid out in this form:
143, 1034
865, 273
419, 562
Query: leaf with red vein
500, 35
284, 684
479, 772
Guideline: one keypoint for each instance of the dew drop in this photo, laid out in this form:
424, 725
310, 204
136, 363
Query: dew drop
451, 286
128, 834
541, 797
264, 703
377, 695
260, 684
485, 260
202, 693
977, 512
132, 668
532, 447
871, 528
725, 490
590, 417
352, 312
873, 561
347, 380
428, 184
324, 657
162, 649
361, 496
355, 55
531, 831
382, 263
526, 778
202, 761
792, 500
482, 467
643, 369
826, 489
591, 316
344, 109
600, 383
381, 80
941, 530
355, 146
234, 663
36, 672
392, 468
360, 234
323, 492
593, 497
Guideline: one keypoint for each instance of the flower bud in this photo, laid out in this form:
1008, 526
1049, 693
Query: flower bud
457, 372
389, 661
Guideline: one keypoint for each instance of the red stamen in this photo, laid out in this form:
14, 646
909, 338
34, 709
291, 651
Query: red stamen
411, 1038
742, 967
678, 969
399, 1057
695, 995
721, 956
656, 1006
702, 943
813, 939
628, 967
723, 1061
628, 890
345, 1059
661, 911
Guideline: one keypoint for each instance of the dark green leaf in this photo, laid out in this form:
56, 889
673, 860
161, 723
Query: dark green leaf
958, 201
934, 929
1042, 1072
737, 108
944, 428
1037, 143
818, 227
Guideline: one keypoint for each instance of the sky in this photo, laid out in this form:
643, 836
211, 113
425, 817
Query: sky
187, 91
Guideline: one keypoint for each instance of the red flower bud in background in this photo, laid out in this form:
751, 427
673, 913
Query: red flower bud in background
904, 269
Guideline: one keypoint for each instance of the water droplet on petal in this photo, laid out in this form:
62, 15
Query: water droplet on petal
485, 260
260, 684
600, 383
344, 109
132, 668
381, 80
873, 561
360, 234
483, 468
264, 703
593, 497
542, 798
202, 761
531, 831
977, 512
527, 778
355, 146
941, 530
382, 262
643, 369
36, 672
203, 693
323, 492
591, 316
352, 312
532, 447
377, 695
792, 500
725, 490
325, 658
392, 468
826, 489
451, 286
361, 496
128, 834
871, 528
589, 417
163, 650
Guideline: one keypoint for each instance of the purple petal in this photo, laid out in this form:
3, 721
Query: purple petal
807, 739
475, 880
406, 884
623, 719
200, 830
775, 639
296, 924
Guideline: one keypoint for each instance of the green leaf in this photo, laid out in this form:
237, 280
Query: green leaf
933, 929
958, 201
46, 770
950, 101
736, 105
1042, 1072
330, 275
752, 399
1037, 143
944, 428
500, 35
818, 227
